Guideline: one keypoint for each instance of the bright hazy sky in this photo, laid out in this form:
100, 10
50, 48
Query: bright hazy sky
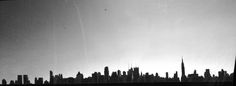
68, 36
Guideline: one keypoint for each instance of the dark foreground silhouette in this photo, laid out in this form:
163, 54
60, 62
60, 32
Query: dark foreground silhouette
140, 84
132, 77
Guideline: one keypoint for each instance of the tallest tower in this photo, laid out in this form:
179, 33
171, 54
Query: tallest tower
51, 77
183, 77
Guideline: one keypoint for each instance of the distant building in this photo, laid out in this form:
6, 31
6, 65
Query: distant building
12, 82
119, 73
19, 79
4, 82
79, 78
207, 75
124, 73
176, 78
183, 77
167, 75
51, 78
136, 74
46, 82
157, 75
16, 82
95, 77
114, 77
130, 75
36, 80
124, 77
58, 79
40, 80
193, 77
26, 79
106, 74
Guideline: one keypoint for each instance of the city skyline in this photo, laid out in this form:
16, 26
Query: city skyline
133, 75
60, 35
136, 74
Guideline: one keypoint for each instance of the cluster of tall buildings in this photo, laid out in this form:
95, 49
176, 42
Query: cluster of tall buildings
21, 79
133, 75
223, 76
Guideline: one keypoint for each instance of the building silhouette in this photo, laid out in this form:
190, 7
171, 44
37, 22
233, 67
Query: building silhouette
12, 82
4, 82
26, 79
106, 74
79, 78
132, 75
19, 79
194, 77
176, 78
51, 77
207, 75
38, 81
183, 77
135, 74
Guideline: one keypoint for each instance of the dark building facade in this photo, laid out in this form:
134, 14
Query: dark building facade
19, 79
207, 75
26, 79
4, 82
183, 77
51, 78
106, 74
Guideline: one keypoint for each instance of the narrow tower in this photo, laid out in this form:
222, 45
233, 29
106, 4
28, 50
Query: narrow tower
183, 77
234, 81
106, 74
51, 77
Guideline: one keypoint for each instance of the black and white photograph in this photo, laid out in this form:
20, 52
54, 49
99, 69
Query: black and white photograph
118, 42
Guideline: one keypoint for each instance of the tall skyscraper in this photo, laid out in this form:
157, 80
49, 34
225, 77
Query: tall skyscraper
36, 80
26, 79
135, 74
119, 73
19, 79
51, 78
183, 77
4, 82
130, 75
106, 74
167, 75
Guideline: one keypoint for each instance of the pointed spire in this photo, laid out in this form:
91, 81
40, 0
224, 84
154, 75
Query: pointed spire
183, 77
